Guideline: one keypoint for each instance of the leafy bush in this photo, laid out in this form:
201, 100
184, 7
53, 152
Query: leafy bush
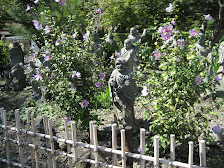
3, 55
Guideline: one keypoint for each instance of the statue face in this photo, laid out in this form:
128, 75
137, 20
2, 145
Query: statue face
127, 44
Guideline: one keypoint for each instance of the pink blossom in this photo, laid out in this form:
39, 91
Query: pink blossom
47, 29
208, 17
112, 57
37, 76
166, 36
181, 42
74, 35
139, 149
173, 22
36, 1
160, 30
144, 91
28, 8
86, 36
198, 80
157, 53
34, 55
193, 32
69, 119
35, 22
39, 26
47, 52
217, 79
168, 28
78, 74
117, 54
62, 2
98, 10
216, 129
102, 75
84, 104
170, 8
57, 0
98, 84
47, 57
58, 42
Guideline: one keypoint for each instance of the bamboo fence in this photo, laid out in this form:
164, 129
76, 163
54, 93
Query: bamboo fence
74, 158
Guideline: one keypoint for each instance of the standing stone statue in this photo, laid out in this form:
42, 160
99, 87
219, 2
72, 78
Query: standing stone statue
122, 93
128, 53
221, 61
14, 72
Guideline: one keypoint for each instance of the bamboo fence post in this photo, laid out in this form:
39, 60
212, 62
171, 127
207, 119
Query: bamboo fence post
75, 145
95, 141
202, 153
35, 140
172, 148
190, 157
6, 137
142, 146
114, 143
156, 151
129, 144
68, 146
1, 110
17, 117
123, 157
91, 140
46, 130
29, 128
28, 120
52, 144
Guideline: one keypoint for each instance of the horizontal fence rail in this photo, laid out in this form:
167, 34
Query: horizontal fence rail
73, 157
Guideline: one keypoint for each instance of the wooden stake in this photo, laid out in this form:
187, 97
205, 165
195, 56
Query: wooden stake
1, 111
95, 141
190, 157
202, 153
46, 129
68, 146
91, 140
35, 141
156, 151
52, 143
6, 137
76, 159
123, 148
172, 148
28, 120
114, 142
17, 117
142, 146
129, 144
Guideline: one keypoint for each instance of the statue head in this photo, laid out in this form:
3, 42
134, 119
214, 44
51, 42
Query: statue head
128, 43
133, 31
120, 64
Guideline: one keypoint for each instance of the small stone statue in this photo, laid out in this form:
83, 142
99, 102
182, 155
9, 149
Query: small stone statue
122, 93
128, 53
134, 35
221, 61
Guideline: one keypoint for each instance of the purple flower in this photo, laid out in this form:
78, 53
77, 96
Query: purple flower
217, 79
102, 75
58, 42
173, 22
98, 10
208, 17
84, 104
35, 22
112, 57
168, 28
73, 74
36, 1
34, 55
47, 57
47, 29
57, 0
198, 80
166, 36
28, 8
74, 35
157, 53
170, 8
47, 52
86, 36
37, 76
143, 77
144, 91
139, 149
62, 2
20, 64
193, 32
78, 74
216, 129
98, 84
117, 54
69, 119
160, 30
39, 26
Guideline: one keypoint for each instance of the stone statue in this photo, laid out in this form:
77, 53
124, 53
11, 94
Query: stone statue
14, 72
221, 61
122, 93
128, 53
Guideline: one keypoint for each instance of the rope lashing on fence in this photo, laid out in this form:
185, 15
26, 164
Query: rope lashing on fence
94, 146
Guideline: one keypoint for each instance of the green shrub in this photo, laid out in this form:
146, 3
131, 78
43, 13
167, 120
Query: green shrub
3, 55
